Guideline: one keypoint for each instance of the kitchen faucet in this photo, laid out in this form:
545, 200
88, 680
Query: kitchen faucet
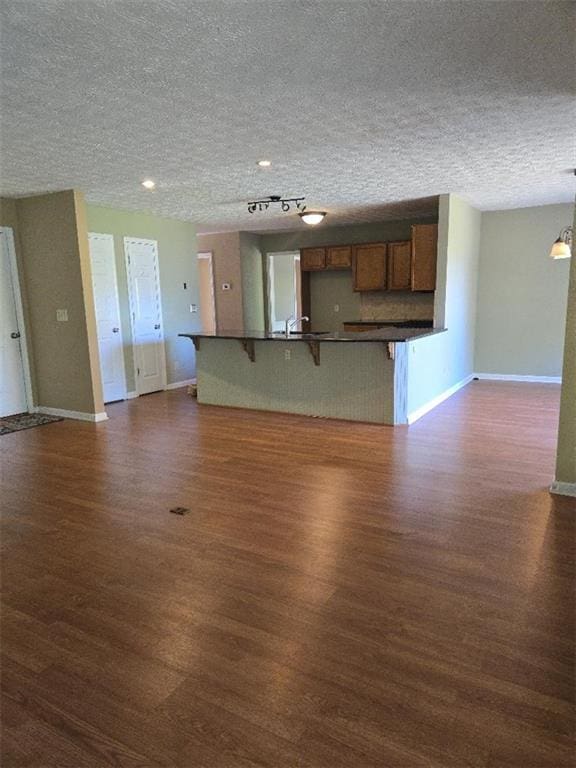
289, 325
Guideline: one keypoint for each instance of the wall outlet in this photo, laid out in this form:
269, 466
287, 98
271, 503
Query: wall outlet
62, 315
287, 354
336, 307
193, 308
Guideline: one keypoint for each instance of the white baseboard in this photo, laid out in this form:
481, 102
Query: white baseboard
180, 384
563, 489
79, 415
514, 377
424, 409
131, 395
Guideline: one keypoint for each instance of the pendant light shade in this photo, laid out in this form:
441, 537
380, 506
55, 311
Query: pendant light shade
312, 217
561, 247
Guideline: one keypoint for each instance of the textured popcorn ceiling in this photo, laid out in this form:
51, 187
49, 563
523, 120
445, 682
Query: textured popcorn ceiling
358, 104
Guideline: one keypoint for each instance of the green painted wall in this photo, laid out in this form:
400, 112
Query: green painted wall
437, 363
521, 293
353, 381
566, 457
177, 259
330, 289
252, 282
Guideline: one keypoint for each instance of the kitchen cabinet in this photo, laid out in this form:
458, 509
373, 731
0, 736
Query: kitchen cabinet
400, 266
339, 257
312, 259
424, 256
369, 271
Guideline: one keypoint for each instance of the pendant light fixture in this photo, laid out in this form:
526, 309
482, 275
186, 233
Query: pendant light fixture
561, 249
312, 217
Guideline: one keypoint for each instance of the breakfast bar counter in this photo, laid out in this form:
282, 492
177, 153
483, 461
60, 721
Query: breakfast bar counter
356, 376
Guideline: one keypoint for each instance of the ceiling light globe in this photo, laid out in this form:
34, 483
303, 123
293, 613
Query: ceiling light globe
148, 184
560, 250
312, 217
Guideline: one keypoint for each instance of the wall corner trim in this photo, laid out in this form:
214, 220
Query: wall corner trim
424, 409
78, 415
563, 489
515, 377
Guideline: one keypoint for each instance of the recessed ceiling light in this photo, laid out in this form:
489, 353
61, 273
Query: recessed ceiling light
312, 217
148, 184
264, 163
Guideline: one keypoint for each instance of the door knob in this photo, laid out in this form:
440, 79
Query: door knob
157, 327
15, 335
115, 330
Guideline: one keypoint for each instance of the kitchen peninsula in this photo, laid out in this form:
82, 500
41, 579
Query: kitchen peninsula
359, 376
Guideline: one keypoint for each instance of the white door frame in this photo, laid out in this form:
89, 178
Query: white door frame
270, 277
208, 255
127, 241
108, 237
8, 235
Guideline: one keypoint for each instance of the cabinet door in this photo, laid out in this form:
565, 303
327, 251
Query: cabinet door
312, 259
424, 253
339, 257
400, 266
369, 267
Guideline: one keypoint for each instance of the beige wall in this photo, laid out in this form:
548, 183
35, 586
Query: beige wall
521, 293
566, 459
52, 245
225, 249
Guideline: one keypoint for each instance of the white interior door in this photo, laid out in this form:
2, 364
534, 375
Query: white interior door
146, 314
107, 304
207, 301
12, 379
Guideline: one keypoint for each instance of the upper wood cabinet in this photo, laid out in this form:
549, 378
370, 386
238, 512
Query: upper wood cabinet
369, 267
400, 266
424, 255
312, 259
339, 257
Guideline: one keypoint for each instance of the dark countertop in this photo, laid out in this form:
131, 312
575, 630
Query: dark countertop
391, 334
395, 323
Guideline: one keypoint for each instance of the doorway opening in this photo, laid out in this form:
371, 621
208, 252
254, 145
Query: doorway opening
284, 289
206, 287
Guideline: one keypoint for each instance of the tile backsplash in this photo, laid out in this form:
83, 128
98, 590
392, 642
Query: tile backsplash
376, 305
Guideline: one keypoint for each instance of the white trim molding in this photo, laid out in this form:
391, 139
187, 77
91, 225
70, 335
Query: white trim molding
180, 384
563, 489
514, 377
131, 395
78, 415
424, 409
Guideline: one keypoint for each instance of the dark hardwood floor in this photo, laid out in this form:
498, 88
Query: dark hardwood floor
340, 595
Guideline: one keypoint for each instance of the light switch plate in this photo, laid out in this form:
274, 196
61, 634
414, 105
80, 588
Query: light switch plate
336, 307
62, 315
193, 308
